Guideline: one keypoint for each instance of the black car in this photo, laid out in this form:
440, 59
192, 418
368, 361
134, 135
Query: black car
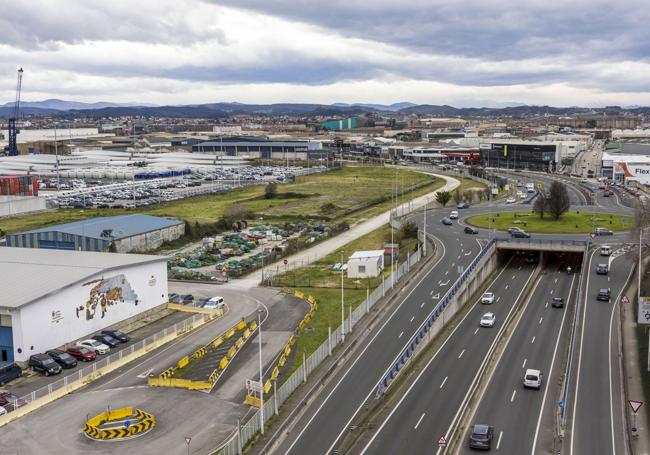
512, 230
117, 334
520, 234
557, 302
605, 294
602, 269
532, 258
446, 221
62, 358
107, 340
9, 371
603, 231
45, 364
463, 205
481, 437
470, 230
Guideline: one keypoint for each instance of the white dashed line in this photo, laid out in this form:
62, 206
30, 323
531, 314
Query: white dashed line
461, 353
523, 365
513, 277
532, 341
551, 291
540, 320
412, 317
419, 420
499, 441
443, 382
400, 335
475, 331
512, 398
546, 306
498, 298
422, 305
506, 286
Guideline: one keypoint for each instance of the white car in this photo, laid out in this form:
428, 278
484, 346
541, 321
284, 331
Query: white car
97, 346
214, 303
533, 379
3, 411
511, 200
453, 215
487, 320
488, 298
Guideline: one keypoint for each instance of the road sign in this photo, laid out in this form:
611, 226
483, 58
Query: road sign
561, 404
635, 405
442, 441
624, 299
254, 386
644, 310
127, 423
285, 261
188, 440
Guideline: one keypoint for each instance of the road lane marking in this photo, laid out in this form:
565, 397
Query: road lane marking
400, 335
512, 398
412, 317
458, 258
498, 298
524, 364
476, 331
461, 353
431, 293
145, 374
468, 253
422, 305
499, 441
419, 420
447, 272
556, 281
551, 291
546, 306
443, 382
533, 340
540, 320
513, 277
443, 284
506, 286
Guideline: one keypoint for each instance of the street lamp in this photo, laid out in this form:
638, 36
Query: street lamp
342, 304
259, 335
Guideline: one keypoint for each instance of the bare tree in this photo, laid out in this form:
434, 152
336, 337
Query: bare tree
468, 195
558, 200
480, 195
457, 196
540, 205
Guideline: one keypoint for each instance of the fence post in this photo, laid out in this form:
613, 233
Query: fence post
275, 398
304, 366
329, 340
367, 298
350, 313
239, 444
408, 260
383, 290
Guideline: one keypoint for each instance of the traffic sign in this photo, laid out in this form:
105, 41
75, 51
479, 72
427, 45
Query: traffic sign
644, 311
127, 423
285, 261
188, 440
635, 405
561, 404
624, 299
442, 441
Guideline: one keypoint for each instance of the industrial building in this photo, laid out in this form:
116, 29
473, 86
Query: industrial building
264, 148
121, 234
52, 298
628, 169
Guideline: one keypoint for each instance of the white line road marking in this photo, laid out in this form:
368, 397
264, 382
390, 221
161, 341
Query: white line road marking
608, 279
419, 420
400, 335
499, 441
435, 297
519, 268
443, 382
458, 257
513, 277
431, 293
461, 353
532, 341
556, 281
443, 284
145, 374
453, 265
475, 331
412, 317
506, 286
540, 320
546, 306
551, 291
447, 272
524, 364
498, 298
468, 253
512, 397
422, 305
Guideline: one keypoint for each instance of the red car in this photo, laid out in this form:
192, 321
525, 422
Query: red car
10, 402
81, 353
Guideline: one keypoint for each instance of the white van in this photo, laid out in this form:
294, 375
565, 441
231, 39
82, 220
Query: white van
453, 215
533, 379
605, 250
215, 303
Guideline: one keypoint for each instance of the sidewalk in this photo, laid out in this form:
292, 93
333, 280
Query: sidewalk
323, 249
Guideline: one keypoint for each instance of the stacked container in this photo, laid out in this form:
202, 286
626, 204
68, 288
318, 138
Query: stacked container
18, 185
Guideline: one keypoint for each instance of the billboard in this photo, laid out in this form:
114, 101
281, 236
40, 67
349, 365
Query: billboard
644, 310
639, 172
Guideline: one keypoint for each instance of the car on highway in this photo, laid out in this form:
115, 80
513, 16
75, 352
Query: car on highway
9, 371
481, 436
117, 334
605, 250
215, 303
488, 298
511, 200
470, 230
602, 231
462, 205
62, 358
487, 320
514, 229
81, 353
604, 294
11, 402
44, 364
96, 346
602, 269
447, 221
107, 340
532, 379
557, 302
453, 215
520, 234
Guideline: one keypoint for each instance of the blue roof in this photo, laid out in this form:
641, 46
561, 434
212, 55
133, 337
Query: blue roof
121, 226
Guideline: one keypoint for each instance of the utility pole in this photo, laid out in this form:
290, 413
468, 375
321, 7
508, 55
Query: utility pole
424, 240
259, 334
342, 304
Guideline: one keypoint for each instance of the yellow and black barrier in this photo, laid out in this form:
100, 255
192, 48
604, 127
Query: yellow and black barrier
119, 424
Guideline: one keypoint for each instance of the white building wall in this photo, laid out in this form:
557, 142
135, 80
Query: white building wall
54, 320
372, 265
15, 205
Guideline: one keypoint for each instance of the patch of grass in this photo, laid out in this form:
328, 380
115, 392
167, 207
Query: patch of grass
570, 222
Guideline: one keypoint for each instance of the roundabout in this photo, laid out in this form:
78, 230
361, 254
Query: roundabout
119, 424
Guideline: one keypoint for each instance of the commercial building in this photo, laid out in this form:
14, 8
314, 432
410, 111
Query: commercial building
121, 234
366, 264
52, 298
628, 169
264, 148
343, 124
533, 155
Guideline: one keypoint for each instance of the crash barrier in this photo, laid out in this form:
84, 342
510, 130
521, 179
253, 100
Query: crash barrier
252, 400
247, 431
166, 379
104, 365
193, 309
119, 424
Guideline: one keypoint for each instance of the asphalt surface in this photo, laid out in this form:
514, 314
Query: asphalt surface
514, 411
327, 418
427, 409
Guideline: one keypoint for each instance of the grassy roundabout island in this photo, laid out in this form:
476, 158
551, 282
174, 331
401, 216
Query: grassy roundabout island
574, 222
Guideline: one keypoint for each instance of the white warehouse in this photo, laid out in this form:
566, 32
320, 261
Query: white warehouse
54, 297
366, 264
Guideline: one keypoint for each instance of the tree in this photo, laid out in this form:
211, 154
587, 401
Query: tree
480, 195
468, 195
540, 205
443, 197
271, 190
558, 201
457, 196
409, 230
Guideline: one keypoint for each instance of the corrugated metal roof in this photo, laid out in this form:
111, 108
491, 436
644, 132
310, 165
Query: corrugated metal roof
121, 226
27, 274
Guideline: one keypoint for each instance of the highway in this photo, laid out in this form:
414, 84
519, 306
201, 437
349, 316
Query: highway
516, 412
327, 418
596, 422
429, 406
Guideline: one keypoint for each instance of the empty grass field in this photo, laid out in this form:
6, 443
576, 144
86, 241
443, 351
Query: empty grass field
571, 222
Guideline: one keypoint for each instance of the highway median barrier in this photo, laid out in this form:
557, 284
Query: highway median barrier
120, 423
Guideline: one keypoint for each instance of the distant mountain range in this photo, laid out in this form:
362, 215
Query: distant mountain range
73, 109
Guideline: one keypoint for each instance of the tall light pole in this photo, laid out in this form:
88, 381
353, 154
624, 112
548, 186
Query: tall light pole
259, 336
424, 243
342, 304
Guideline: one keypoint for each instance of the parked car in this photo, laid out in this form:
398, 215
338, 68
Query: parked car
605, 294
462, 205
470, 230
557, 302
488, 298
214, 303
447, 221
11, 402
602, 269
62, 358
44, 364
481, 436
532, 379
602, 231
107, 340
81, 353
520, 235
9, 371
117, 334
96, 346
453, 215
487, 320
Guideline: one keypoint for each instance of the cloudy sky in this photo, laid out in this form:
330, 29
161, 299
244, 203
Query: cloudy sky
458, 52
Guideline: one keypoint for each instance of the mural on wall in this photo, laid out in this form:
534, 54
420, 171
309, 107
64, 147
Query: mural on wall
104, 294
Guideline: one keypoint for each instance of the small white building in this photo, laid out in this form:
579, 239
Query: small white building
366, 264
